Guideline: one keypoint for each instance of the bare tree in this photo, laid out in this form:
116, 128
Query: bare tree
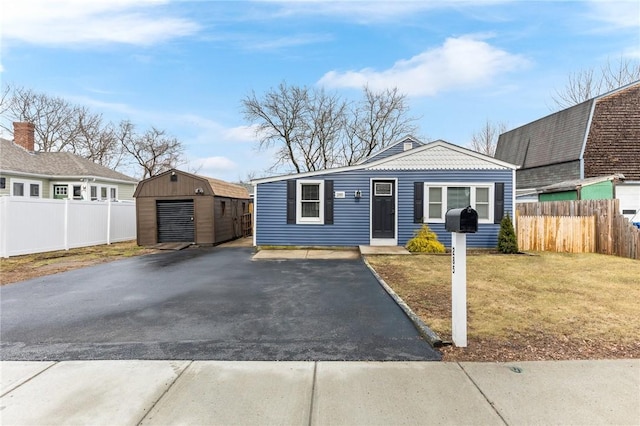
62, 126
311, 129
302, 124
153, 150
53, 117
589, 83
376, 121
97, 141
485, 140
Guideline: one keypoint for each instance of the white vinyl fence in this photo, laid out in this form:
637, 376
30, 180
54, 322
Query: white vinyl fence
39, 225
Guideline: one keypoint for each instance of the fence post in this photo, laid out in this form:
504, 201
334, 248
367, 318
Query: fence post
109, 222
4, 201
66, 224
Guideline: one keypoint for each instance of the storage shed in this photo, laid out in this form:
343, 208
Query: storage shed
176, 206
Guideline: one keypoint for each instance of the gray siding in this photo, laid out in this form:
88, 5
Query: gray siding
351, 216
547, 175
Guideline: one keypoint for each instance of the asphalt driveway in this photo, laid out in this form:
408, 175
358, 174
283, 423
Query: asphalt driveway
207, 304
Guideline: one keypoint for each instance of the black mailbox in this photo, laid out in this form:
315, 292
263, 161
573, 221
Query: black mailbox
463, 221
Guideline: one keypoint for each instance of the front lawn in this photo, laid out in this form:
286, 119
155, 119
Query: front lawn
521, 307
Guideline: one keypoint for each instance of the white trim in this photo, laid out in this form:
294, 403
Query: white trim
472, 199
70, 177
586, 137
383, 241
309, 220
85, 190
513, 203
255, 209
364, 166
26, 187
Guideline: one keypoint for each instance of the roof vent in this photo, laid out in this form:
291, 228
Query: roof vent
408, 146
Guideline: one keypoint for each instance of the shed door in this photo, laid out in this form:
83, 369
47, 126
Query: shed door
175, 221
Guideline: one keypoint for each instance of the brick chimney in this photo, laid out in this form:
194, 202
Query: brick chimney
24, 135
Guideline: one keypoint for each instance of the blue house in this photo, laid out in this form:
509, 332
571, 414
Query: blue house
384, 199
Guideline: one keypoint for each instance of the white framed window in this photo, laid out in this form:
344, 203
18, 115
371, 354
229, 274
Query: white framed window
440, 197
383, 189
77, 192
310, 201
26, 188
18, 189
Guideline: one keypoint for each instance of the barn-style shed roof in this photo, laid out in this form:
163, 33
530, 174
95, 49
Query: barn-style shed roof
226, 189
188, 184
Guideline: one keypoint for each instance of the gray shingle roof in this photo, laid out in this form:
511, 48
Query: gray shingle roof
53, 164
556, 138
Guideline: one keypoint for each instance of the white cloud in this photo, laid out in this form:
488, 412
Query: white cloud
616, 14
371, 11
459, 62
241, 134
216, 167
81, 22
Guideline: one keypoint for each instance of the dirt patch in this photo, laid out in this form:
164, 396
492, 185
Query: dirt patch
21, 268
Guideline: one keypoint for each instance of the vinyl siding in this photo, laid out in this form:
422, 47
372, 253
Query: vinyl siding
391, 150
351, 216
125, 191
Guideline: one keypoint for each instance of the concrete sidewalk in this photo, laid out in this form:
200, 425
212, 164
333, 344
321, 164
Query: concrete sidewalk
318, 393
345, 253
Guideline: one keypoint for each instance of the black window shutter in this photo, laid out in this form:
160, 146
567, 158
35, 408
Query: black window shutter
498, 204
418, 202
291, 201
328, 202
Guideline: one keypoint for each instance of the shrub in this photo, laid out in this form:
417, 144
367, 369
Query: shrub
425, 241
507, 239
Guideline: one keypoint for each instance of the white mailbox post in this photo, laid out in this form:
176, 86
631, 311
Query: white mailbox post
459, 289
459, 222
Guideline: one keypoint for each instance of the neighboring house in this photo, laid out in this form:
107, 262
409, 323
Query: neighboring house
384, 199
176, 206
599, 137
596, 188
62, 175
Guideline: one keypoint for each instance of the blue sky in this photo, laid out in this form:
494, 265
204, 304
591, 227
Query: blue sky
184, 66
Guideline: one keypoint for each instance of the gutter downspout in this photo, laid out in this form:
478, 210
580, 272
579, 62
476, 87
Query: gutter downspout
586, 137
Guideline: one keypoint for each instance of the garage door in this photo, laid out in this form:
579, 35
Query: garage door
175, 221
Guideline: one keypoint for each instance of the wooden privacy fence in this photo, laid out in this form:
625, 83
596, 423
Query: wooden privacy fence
557, 233
612, 233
